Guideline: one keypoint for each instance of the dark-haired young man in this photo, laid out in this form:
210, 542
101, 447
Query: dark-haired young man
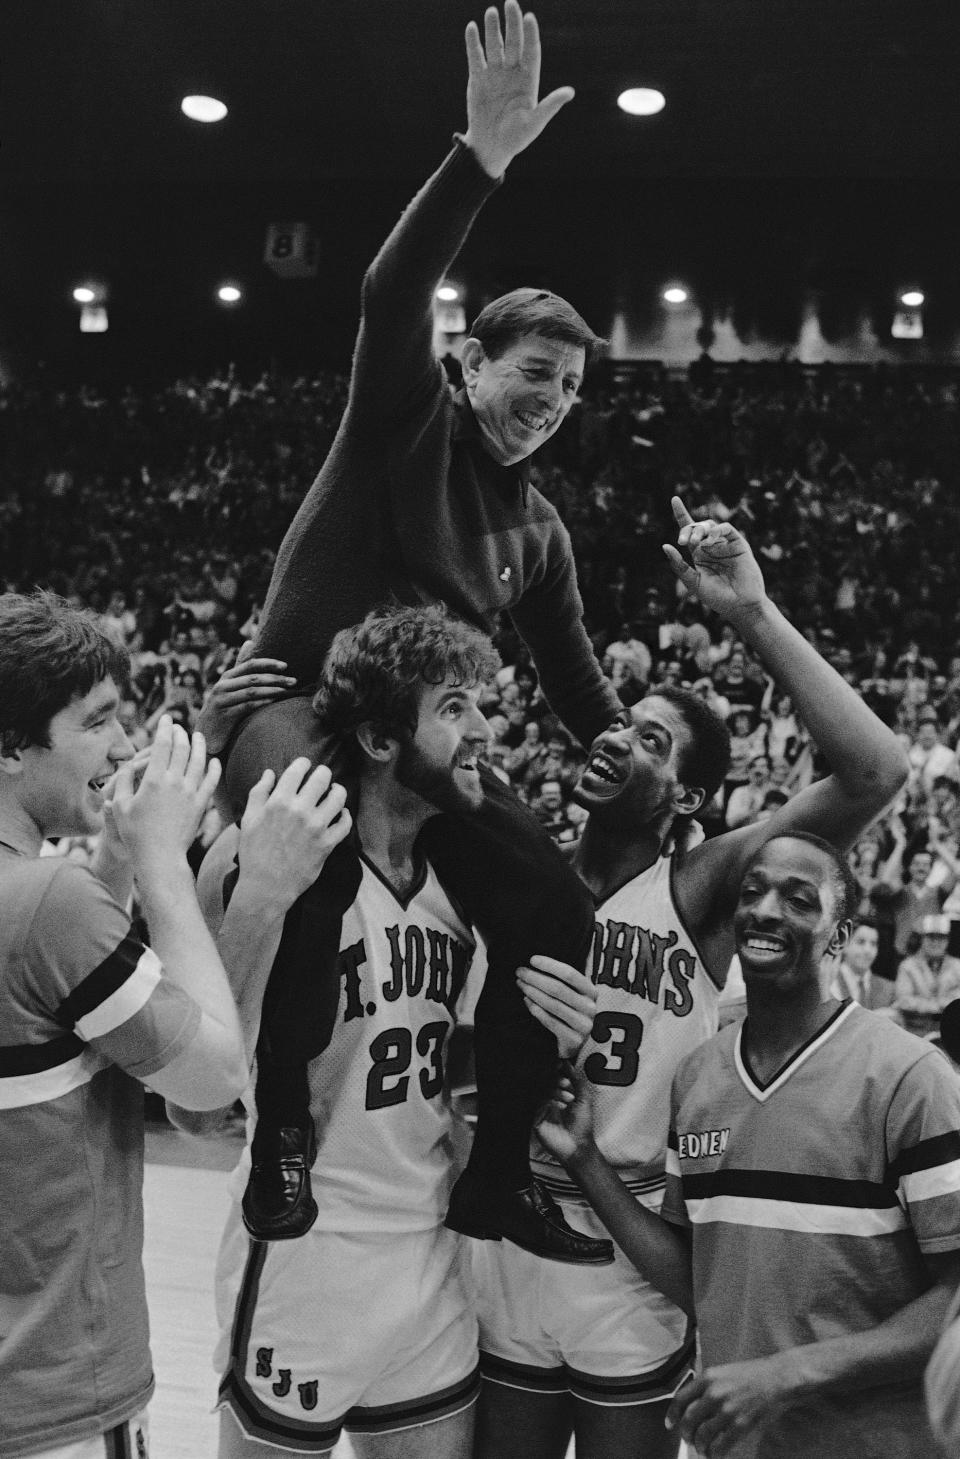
87, 1016
811, 1222
618, 1347
854, 977
424, 497
367, 1321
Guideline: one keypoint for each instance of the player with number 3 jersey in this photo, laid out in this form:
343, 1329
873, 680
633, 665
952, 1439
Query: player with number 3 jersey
600, 1353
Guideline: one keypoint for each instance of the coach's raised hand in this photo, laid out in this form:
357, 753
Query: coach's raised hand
504, 114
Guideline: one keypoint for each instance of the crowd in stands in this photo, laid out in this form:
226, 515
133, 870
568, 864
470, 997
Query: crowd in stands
163, 509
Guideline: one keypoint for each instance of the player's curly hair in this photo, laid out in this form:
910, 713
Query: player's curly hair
375, 671
50, 654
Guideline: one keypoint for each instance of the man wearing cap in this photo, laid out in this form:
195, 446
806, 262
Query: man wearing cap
929, 980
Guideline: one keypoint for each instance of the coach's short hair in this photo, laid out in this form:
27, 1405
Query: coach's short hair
50, 654
705, 761
523, 312
375, 671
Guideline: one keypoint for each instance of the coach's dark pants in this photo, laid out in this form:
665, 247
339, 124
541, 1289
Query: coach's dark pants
512, 883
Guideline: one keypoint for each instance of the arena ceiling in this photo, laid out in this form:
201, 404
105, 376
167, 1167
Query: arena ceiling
825, 135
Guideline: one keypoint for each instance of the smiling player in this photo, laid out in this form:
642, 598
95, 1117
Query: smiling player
663, 942
367, 1321
87, 1015
811, 1221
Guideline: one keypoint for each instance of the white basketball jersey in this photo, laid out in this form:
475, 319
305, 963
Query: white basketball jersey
657, 1003
378, 1094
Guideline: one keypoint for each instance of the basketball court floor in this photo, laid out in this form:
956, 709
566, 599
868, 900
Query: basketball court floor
185, 1205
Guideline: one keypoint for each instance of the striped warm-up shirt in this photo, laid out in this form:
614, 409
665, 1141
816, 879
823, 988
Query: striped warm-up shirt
83, 1007
812, 1199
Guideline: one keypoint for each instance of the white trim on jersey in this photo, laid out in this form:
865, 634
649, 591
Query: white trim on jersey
804, 1216
923, 1185
134, 992
795, 1062
20, 1090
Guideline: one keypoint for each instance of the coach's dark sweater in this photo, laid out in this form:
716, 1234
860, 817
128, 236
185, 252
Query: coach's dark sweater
409, 505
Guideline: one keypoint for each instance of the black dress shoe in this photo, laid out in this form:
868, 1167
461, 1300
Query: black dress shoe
530, 1218
278, 1203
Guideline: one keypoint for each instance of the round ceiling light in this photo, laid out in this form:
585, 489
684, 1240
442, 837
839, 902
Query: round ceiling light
203, 108
641, 101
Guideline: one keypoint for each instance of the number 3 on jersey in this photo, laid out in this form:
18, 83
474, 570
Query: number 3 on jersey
624, 1033
392, 1051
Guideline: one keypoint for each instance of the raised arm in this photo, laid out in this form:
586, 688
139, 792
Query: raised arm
867, 763
394, 367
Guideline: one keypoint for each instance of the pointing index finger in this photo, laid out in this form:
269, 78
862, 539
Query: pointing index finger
680, 514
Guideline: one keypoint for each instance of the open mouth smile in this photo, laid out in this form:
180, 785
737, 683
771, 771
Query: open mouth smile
532, 422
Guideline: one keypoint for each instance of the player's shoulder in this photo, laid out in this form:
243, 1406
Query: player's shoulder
708, 1060
879, 1041
53, 886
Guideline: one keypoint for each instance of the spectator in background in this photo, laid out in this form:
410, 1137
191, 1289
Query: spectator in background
783, 728
497, 752
558, 763
929, 758
746, 741
854, 977
630, 663
743, 690
929, 979
120, 620
524, 761
549, 806
705, 688
902, 889
747, 800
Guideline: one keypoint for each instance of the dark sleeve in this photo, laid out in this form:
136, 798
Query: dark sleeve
395, 369
549, 617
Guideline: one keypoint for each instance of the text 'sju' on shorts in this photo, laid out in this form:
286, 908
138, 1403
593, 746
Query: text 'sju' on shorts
370, 1332
600, 1333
